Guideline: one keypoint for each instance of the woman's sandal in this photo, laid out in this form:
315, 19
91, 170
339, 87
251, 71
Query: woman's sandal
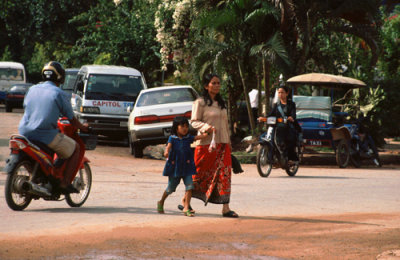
160, 208
188, 213
230, 214
180, 207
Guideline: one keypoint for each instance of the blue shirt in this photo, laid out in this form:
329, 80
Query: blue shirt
44, 104
180, 160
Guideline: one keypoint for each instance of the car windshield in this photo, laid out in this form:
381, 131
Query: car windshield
11, 74
117, 87
166, 96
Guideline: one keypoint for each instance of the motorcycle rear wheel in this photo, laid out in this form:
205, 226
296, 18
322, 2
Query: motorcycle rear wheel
263, 166
291, 170
15, 200
83, 183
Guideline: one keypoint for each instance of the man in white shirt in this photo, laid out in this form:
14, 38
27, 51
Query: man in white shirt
253, 96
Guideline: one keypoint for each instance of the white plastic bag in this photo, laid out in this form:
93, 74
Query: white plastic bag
213, 145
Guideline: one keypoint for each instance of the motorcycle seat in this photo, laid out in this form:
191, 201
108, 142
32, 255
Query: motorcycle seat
43, 147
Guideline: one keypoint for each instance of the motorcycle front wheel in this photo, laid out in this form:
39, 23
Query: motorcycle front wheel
15, 199
263, 166
83, 183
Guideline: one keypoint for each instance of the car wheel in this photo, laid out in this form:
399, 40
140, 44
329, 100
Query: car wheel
131, 148
136, 149
8, 107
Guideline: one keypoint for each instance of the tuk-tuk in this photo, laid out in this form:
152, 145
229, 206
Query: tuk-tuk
321, 126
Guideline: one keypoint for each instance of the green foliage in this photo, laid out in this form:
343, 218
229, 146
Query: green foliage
39, 58
389, 64
119, 35
6, 56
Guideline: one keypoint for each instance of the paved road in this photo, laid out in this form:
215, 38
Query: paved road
125, 191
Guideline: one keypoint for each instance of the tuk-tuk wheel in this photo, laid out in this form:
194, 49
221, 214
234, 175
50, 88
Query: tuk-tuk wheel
343, 153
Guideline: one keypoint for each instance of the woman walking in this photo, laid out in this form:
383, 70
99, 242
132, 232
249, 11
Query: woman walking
212, 183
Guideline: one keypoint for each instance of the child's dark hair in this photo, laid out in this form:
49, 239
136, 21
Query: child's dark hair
179, 120
206, 80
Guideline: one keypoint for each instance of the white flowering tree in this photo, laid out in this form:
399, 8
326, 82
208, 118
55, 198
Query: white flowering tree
172, 22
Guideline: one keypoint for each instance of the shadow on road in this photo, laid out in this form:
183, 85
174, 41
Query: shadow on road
134, 210
318, 177
309, 220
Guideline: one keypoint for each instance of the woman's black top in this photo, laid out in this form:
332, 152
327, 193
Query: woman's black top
289, 109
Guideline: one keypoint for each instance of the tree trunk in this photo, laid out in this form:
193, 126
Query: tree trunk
259, 97
230, 113
246, 97
267, 87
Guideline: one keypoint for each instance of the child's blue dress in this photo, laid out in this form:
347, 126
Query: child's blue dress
180, 160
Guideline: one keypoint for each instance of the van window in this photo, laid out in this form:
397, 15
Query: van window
12, 74
69, 82
113, 87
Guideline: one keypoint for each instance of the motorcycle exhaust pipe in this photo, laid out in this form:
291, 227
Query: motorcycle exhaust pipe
35, 189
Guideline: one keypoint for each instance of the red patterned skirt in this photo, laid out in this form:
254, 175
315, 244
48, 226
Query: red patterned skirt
212, 183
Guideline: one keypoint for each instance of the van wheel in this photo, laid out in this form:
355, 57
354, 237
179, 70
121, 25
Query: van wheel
136, 149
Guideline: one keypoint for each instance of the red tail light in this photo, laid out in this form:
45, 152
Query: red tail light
168, 118
16, 145
279, 120
15, 96
188, 114
140, 120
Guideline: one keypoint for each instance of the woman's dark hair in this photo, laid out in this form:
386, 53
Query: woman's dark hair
179, 120
286, 88
206, 80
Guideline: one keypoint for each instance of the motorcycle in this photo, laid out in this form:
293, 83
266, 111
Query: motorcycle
273, 152
362, 147
34, 171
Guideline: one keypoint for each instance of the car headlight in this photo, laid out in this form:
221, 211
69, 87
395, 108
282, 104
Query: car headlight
90, 110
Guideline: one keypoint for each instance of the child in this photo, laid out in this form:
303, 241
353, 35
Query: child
180, 163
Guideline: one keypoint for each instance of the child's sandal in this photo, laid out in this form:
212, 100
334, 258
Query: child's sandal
188, 213
160, 208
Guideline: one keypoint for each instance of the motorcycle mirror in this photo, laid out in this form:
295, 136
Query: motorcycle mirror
129, 109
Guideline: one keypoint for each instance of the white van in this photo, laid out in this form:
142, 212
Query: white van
102, 94
10, 73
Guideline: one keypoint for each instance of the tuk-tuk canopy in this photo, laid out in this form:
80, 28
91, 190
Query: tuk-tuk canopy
326, 80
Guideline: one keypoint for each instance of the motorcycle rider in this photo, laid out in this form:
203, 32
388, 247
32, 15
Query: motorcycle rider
44, 104
288, 135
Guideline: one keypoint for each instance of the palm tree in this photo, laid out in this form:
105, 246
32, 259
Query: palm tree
248, 28
273, 52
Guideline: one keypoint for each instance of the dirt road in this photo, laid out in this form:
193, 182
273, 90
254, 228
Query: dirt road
322, 213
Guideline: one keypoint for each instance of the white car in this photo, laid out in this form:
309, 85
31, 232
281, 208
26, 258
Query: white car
151, 118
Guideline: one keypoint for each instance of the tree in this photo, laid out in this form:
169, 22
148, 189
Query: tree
119, 35
300, 21
25, 25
